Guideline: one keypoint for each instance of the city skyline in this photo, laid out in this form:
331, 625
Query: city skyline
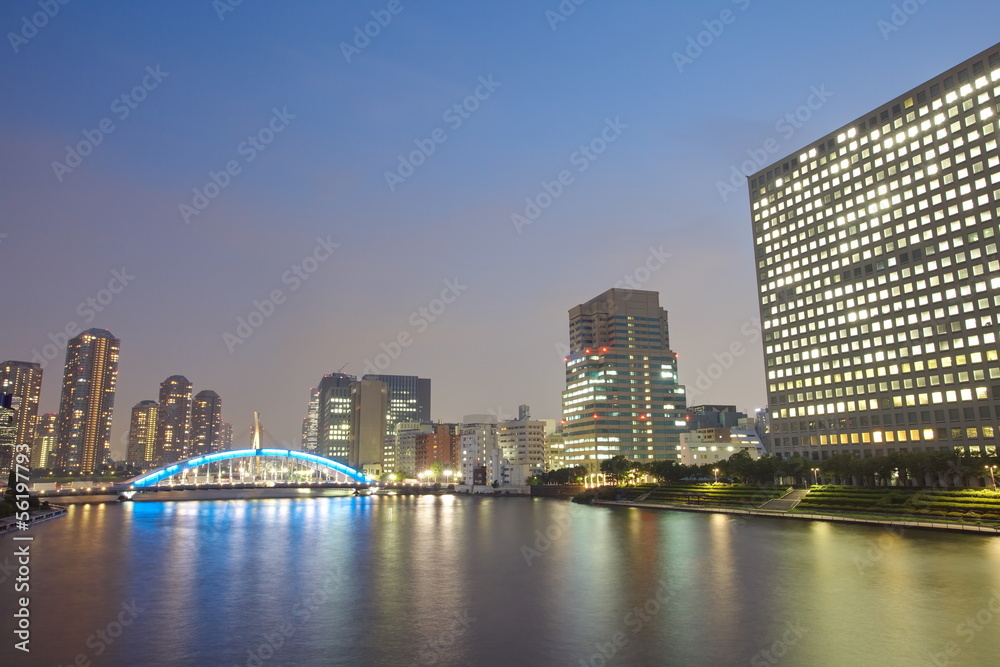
474, 291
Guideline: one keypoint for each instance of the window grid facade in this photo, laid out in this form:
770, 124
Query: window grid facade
879, 277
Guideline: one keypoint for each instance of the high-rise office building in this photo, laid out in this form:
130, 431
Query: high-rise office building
142, 433
206, 423
333, 422
43, 449
23, 381
409, 398
8, 428
369, 407
173, 421
622, 394
877, 265
310, 423
225, 437
87, 400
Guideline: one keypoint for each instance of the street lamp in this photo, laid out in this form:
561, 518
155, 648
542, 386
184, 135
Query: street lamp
993, 476
815, 471
716, 471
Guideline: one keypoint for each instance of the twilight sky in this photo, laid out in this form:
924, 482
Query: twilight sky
304, 125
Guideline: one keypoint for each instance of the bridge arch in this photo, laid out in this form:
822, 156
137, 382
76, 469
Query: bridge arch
154, 477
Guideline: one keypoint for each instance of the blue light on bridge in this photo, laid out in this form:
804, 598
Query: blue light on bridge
156, 476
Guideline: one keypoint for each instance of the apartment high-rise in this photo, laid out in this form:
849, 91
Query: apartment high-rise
333, 421
43, 449
409, 398
622, 394
142, 433
225, 437
206, 423
173, 421
877, 264
87, 400
23, 381
479, 451
522, 441
369, 407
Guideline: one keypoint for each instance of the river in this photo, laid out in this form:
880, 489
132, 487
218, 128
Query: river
446, 580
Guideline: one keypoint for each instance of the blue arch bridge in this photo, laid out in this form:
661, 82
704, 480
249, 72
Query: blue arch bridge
252, 467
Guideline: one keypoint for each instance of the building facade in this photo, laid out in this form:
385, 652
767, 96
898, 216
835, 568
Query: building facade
310, 423
23, 381
522, 441
622, 393
206, 423
877, 264
369, 408
173, 420
409, 398
43, 449
142, 433
333, 422
87, 401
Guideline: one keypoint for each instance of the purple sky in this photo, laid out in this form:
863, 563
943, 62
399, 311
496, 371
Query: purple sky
302, 131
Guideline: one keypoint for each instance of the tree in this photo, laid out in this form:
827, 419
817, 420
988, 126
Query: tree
437, 468
617, 468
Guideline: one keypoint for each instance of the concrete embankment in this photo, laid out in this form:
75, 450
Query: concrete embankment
874, 521
10, 524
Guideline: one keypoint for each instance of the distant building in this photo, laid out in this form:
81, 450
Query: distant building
409, 398
622, 393
142, 433
369, 408
479, 451
310, 423
406, 445
711, 445
225, 437
87, 401
333, 422
440, 445
8, 428
43, 450
713, 416
206, 423
23, 381
173, 420
522, 441
555, 450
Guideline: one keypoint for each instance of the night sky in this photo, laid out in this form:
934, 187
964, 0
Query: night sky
257, 153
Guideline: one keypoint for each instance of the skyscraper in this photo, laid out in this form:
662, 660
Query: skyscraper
333, 421
409, 398
23, 381
142, 433
225, 437
43, 449
310, 423
87, 401
622, 394
173, 421
369, 407
206, 423
877, 265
